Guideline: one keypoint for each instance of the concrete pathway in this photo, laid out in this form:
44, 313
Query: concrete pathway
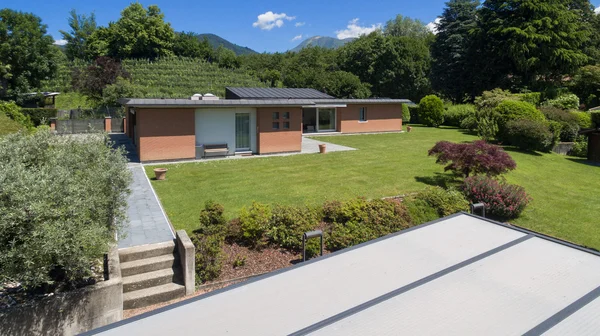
147, 222
312, 146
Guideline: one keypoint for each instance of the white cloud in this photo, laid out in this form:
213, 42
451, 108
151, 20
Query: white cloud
300, 24
433, 26
597, 10
297, 37
60, 42
354, 30
270, 20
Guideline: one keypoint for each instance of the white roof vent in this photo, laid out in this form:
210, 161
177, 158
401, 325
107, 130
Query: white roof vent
196, 96
210, 96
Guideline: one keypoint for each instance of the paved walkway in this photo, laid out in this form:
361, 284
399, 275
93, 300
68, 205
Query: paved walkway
312, 146
147, 223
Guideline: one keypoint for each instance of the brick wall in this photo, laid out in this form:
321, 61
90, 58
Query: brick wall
380, 118
270, 140
165, 134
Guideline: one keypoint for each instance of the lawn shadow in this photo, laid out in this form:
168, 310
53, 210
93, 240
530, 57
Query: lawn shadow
443, 180
585, 162
517, 150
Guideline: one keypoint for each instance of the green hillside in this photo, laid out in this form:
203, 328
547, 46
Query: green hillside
215, 41
183, 77
8, 125
323, 42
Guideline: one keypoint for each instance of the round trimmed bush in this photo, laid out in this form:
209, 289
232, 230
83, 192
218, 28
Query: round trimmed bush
529, 135
514, 110
431, 111
584, 119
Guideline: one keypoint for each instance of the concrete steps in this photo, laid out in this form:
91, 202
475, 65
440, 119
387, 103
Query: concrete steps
151, 274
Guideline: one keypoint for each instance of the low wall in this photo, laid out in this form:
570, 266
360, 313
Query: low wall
70, 313
187, 257
563, 147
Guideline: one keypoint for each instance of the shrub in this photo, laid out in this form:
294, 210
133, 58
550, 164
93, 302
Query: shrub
470, 123
289, 223
477, 157
491, 99
580, 147
487, 128
209, 256
13, 111
500, 198
533, 98
420, 211
359, 220
445, 202
254, 223
405, 114
529, 135
595, 116
567, 101
61, 200
415, 115
39, 116
431, 111
569, 123
516, 110
584, 119
208, 240
455, 114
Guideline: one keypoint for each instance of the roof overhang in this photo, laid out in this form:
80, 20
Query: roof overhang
324, 106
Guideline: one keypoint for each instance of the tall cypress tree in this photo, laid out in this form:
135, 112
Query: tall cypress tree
453, 51
536, 42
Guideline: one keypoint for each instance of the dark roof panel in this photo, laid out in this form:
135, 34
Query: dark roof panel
274, 93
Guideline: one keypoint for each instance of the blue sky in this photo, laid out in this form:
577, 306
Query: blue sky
281, 25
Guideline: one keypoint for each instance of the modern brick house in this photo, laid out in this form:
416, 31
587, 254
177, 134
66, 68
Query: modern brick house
250, 120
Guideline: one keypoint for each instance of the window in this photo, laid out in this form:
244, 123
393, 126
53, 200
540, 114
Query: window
275, 115
276, 125
286, 115
362, 114
286, 125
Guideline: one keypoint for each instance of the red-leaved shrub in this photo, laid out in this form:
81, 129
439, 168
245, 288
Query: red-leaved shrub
478, 157
500, 198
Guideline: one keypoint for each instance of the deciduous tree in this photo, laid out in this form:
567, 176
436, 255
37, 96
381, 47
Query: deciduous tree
82, 27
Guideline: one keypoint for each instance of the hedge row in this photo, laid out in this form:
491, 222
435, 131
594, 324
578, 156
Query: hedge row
40, 116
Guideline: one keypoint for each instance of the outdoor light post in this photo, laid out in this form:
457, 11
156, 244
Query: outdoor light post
476, 206
308, 235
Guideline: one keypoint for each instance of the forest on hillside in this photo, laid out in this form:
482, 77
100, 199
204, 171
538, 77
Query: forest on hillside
551, 47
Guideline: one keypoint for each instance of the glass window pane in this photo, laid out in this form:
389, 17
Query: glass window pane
276, 125
286, 125
286, 115
327, 119
242, 131
363, 114
275, 115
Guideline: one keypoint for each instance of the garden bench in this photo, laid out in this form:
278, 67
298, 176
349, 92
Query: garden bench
217, 149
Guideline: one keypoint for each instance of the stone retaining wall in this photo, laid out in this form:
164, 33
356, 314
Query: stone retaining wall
70, 313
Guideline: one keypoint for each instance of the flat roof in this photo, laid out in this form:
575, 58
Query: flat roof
188, 103
460, 275
276, 93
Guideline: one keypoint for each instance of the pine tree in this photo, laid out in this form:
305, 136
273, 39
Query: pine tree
453, 72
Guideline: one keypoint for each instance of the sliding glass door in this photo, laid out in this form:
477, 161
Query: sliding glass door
242, 131
318, 120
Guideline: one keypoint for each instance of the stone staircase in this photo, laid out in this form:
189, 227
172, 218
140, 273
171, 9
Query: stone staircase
151, 274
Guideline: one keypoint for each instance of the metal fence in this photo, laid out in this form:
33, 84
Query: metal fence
72, 126
114, 112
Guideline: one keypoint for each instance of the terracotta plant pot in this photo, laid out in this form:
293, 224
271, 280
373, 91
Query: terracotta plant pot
408, 128
160, 173
322, 148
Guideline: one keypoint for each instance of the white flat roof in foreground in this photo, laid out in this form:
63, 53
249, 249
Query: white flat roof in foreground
461, 275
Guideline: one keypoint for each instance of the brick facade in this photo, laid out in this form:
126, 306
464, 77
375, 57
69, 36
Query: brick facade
380, 118
165, 134
271, 140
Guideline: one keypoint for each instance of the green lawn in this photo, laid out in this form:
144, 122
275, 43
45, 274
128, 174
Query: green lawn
563, 189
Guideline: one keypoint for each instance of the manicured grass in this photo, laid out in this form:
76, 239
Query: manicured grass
8, 125
562, 188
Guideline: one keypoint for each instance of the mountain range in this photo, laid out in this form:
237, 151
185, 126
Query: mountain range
216, 41
323, 42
